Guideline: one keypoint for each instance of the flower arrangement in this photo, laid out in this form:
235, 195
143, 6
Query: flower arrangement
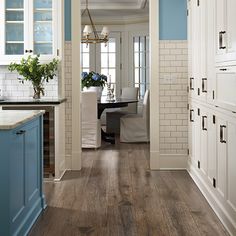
31, 69
93, 79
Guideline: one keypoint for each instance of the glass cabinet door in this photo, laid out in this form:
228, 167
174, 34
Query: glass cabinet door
43, 27
14, 27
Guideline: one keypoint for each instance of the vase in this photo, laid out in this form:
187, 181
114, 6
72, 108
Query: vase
38, 90
97, 89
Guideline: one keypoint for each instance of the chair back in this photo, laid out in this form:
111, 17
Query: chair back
89, 106
146, 108
130, 93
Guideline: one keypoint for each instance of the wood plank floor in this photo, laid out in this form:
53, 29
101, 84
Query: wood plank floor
116, 194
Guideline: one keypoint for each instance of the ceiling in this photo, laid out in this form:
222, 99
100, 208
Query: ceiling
115, 4
117, 11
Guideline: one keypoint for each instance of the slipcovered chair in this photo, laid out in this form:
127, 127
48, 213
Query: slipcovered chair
135, 127
113, 118
91, 125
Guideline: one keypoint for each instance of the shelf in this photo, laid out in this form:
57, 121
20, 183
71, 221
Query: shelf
15, 9
43, 9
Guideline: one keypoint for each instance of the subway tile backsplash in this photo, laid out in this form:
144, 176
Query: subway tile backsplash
12, 88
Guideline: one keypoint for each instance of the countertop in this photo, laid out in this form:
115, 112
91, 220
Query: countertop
12, 119
32, 101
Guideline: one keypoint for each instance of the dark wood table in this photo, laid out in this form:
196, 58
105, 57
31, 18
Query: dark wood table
117, 103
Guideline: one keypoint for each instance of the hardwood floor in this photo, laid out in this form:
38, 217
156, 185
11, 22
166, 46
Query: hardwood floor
116, 194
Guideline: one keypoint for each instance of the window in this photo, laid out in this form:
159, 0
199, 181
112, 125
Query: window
84, 60
141, 63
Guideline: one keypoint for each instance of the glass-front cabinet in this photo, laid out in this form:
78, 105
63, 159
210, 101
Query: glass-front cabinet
30, 27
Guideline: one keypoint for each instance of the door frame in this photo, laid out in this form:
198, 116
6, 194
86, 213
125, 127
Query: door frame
154, 85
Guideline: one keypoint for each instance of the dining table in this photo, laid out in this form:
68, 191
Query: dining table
111, 104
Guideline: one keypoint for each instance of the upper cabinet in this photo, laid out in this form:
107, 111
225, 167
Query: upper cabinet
30, 27
225, 31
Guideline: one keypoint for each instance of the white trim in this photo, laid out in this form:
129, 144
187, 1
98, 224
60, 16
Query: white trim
213, 202
76, 119
154, 83
173, 162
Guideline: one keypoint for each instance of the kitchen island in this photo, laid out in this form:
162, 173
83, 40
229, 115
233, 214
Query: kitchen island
21, 172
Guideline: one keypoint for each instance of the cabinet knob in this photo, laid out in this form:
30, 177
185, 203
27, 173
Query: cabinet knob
222, 127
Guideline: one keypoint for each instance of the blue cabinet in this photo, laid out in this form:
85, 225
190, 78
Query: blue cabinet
21, 177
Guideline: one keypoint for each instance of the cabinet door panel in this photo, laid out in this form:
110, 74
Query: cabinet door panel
232, 164
225, 84
32, 162
17, 178
221, 157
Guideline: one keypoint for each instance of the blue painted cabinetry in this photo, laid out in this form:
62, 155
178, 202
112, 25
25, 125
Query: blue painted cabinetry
21, 195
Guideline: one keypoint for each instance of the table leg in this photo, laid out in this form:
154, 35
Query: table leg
108, 137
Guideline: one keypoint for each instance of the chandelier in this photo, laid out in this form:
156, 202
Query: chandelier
90, 34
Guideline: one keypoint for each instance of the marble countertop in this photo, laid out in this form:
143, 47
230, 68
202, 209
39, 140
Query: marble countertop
12, 119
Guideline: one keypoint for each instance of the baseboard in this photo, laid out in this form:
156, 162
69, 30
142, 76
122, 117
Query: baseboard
213, 202
173, 161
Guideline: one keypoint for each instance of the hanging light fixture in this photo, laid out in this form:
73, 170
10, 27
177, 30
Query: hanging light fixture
90, 34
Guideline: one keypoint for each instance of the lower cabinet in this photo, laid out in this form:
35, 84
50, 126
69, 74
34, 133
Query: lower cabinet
212, 159
22, 197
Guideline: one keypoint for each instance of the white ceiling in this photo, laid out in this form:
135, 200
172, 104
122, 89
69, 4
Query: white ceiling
117, 11
115, 4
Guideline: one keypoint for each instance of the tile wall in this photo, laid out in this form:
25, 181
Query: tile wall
173, 97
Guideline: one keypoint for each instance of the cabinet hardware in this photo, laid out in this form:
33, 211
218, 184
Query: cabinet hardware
221, 33
198, 111
30, 51
58, 52
188, 152
214, 182
20, 132
203, 122
223, 69
198, 91
213, 95
203, 85
214, 119
198, 3
26, 51
191, 83
198, 164
222, 140
187, 106
191, 115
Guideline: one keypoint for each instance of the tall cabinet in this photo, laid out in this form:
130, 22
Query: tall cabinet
212, 104
30, 27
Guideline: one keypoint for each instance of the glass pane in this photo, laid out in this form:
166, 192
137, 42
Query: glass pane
112, 45
147, 59
43, 16
43, 48
147, 43
43, 3
14, 48
85, 70
143, 75
104, 48
14, 32
85, 60
104, 72
112, 73
142, 90
142, 44
14, 15
142, 59
43, 32
136, 75
85, 48
112, 60
136, 59
104, 60
14, 3
136, 44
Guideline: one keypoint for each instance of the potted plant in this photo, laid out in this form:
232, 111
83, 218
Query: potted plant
93, 81
31, 69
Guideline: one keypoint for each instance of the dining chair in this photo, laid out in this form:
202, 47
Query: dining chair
91, 125
113, 118
135, 127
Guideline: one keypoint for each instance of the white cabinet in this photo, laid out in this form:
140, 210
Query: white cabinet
30, 27
224, 85
225, 31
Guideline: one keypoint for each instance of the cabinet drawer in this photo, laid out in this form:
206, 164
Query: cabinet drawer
225, 87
